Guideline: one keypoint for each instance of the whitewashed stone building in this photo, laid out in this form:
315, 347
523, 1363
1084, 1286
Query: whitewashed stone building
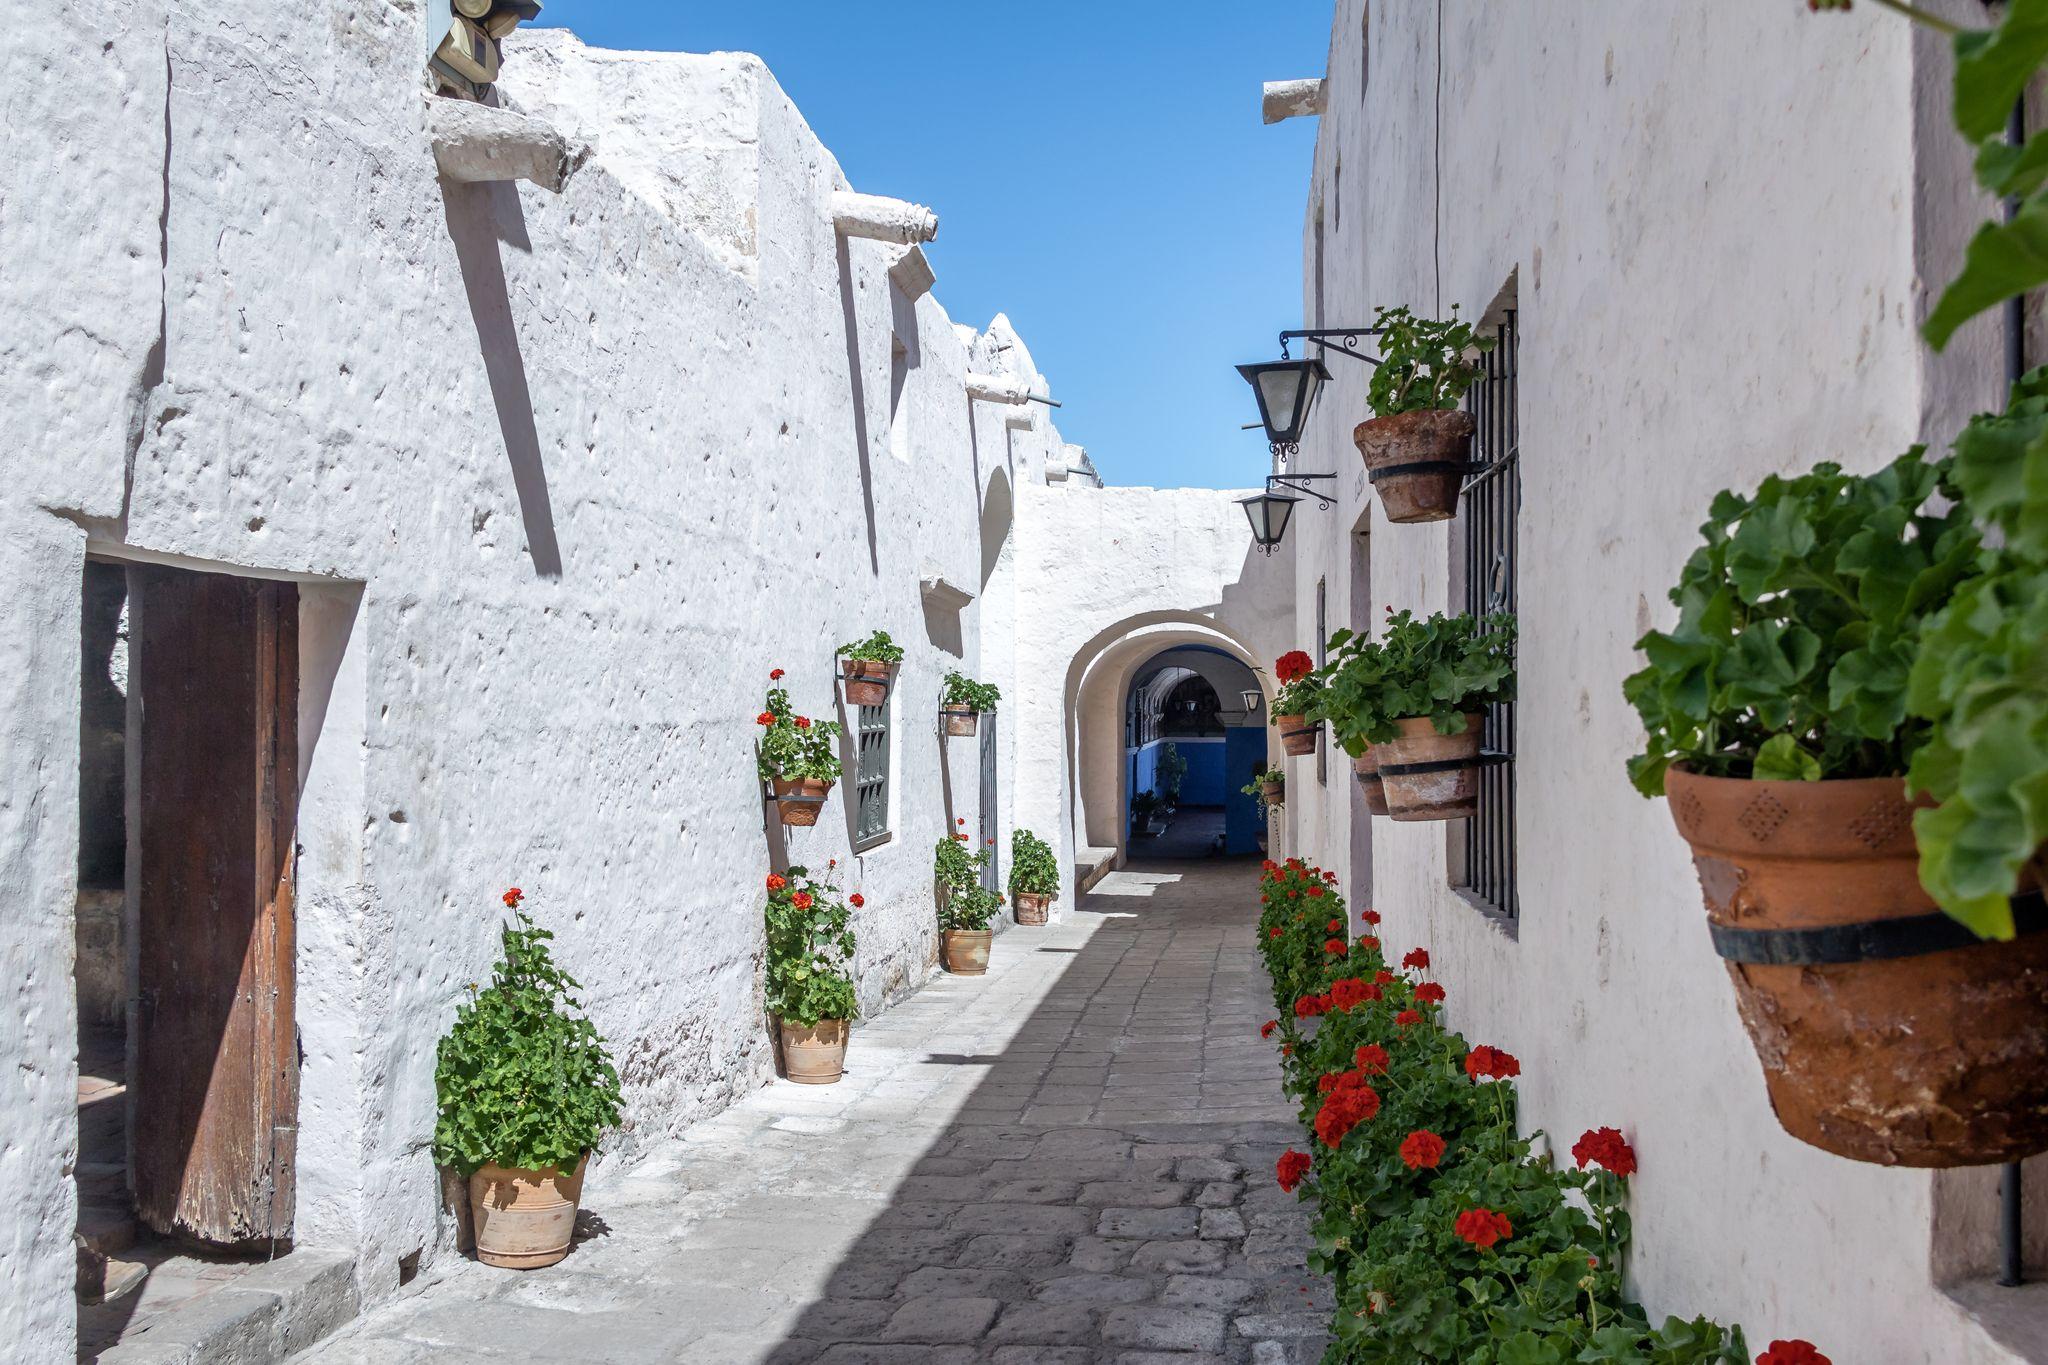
1706, 235
423, 534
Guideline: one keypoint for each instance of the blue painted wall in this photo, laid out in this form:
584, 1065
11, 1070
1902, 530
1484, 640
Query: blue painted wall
1201, 785
1244, 750
1216, 769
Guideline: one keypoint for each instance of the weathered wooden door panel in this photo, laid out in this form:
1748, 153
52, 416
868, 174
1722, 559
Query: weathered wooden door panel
217, 1073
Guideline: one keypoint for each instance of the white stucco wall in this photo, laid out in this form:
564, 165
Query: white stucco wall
563, 478
1719, 226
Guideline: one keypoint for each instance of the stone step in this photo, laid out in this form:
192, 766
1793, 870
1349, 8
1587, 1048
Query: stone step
106, 1228
104, 1183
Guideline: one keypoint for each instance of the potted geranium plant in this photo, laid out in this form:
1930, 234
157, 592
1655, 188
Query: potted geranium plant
1299, 688
1413, 701
1351, 688
963, 702
810, 947
1034, 877
1418, 443
866, 668
1269, 785
525, 1088
796, 758
1822, 651
966, 907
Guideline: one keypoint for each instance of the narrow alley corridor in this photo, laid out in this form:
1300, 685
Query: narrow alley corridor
1070, 1159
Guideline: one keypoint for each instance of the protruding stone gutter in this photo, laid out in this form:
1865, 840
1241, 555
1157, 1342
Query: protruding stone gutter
264, 1315
476, 142
1293, 99
989, 389
882, 220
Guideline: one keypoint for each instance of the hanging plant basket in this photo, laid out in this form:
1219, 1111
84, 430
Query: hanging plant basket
866, 681
1417, 461
798, 800
815, 1055
966, 950
1273, 793
1031, 908
959, 721
1297, 736
1366, 768
1888, 1032
1428, 776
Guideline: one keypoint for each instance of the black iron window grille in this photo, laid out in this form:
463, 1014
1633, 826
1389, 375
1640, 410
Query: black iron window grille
1492, 499
871, 776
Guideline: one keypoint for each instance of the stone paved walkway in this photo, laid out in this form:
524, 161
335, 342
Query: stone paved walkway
1067, 1160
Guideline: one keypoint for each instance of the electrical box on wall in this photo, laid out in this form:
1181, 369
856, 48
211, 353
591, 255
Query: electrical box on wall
463, 38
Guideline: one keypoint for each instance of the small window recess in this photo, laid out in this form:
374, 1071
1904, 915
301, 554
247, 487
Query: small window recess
871, 773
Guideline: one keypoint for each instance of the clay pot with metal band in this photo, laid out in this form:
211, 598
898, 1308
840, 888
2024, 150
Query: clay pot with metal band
1887, 1031
960, 722
524, 1219
866, 681
815, 1055
1417, 461
1428, 776
798, 800
966, 950
1032, 909
1273, 793
1297, 736
1366, 768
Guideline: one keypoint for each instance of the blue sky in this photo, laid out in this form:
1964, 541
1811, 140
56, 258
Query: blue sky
1100, 174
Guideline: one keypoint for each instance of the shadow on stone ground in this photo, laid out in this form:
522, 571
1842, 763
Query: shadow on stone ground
1068, 1160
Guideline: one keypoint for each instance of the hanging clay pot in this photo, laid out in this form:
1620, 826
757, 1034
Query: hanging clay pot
866, 681
1417, 461
1297, 736
1428, 776
960, 722
798, 800
1887, 1031
1366, 767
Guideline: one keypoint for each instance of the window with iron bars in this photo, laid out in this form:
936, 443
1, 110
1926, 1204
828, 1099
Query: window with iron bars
1483, 848
871, 776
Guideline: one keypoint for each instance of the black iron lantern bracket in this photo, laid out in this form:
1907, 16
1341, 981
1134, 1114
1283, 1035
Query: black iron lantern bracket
1333, 341
1301, 483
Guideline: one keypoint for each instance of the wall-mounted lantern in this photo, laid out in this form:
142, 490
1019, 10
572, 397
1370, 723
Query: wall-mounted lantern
1251, 697
1286, 390
1268, 511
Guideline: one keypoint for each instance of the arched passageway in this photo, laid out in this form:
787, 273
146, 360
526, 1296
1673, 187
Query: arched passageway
1190, 745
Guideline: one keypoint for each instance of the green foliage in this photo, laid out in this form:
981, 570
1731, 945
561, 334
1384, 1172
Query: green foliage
963, 691
1145, 805
877, 648
1173, 770
1410, 1289
1257, 787
794, 746
1033, 869
970, 907
810, 948
1444, 668
1799, 622
522, 1080
1423, 364
964, 903
1981, 678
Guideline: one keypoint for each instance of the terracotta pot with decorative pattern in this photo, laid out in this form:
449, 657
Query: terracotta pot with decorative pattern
1888, 1032
966, 950
1417, 461
1297, 736
1032, 909
866, 681
1366, 768
524, 1219
960, 722
1428, 776
798, 801
814, 1055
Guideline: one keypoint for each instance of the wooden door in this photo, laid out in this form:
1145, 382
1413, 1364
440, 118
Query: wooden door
216, 1084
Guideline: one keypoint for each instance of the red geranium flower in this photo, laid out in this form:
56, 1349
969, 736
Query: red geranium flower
1483, 1227
765, 718
1792, 1353
1369, 943
1606, 1148
1407, 1017
1369, 916
1272, 933
1335, 945
1266, 1029
776, 883
1314, 892
1335, 926
1430, 992
1286, 1049
1490, 1062
774, 675
961, 820
1372, 1059
513, 897
1348, 992
856, 900
1383, 977
801, 900
1330, 877
1309, 1006
803, 722
1295, 663
1422, 1148
1293, 1166
1417, 959
1343, 1110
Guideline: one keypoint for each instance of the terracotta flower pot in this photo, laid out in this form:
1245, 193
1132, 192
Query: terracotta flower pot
1428, 776
524, 1219
815, 1055
966, 950
1888, 1033
1366, 768
1297, 736
960, 722
799, 800
866, 681
1273, 793
1417, 461
1032, 908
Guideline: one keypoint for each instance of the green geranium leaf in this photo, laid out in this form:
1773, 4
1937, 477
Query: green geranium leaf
2003, 261
1782, 760
1993, 67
